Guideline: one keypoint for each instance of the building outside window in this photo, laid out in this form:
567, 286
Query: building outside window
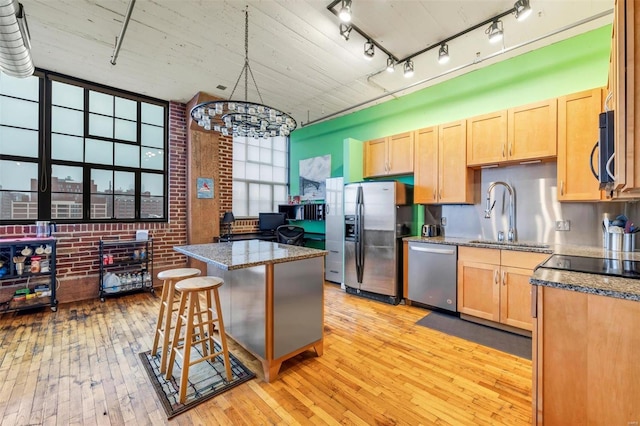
77, 152
260, 175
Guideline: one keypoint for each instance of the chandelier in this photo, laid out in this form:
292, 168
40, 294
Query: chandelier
243, 118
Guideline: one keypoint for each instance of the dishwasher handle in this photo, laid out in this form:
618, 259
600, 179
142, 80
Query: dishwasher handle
432, 250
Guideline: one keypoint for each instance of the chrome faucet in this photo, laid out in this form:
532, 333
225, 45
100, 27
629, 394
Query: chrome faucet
511, 234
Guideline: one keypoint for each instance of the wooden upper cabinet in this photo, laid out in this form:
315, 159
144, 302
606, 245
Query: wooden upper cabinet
531, 131
392, 155
375, 157
487, 139
455, 180
578, 132
425, 175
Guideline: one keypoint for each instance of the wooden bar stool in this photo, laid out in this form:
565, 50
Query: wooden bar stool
163, 327
190, 291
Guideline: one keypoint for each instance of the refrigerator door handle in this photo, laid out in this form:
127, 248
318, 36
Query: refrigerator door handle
359, 236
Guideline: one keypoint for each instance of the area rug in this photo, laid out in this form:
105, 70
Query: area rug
497, 339
206, 380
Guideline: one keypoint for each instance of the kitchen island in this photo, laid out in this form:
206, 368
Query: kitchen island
272, 297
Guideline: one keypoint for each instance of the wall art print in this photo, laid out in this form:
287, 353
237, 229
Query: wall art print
204, 187
313, 174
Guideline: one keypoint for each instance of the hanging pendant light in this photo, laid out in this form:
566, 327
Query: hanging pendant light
243, 118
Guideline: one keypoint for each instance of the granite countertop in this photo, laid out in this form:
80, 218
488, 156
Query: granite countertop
604, 285
247, 253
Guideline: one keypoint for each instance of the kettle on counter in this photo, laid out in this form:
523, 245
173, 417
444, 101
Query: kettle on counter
44, 228
431, 230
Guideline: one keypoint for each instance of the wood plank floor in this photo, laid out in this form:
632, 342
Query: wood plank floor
80, 366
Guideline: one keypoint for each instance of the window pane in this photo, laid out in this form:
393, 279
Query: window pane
66, 192
126, 130
66, 206
239, 169
152, 183
68, 121
69, 148
280, 144
101, 206
67, 95
266, 173
240, 199
18, 142
279, 195
101, 181
253, 153
253, 171
127, 155
153, 159
266, 144
66, 178
125, 183
239, 151
124, 207
100, 103
280, 175
18, 113
18, 176
24, 88
99, 152
19, 205
265, 155
279, 159
152, 114
152, 136
151, 207
100, 125
126, 108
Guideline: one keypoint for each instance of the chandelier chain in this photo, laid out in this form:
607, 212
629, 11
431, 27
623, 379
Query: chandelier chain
246, 69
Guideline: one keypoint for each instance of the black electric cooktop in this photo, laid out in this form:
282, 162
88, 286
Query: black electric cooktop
594, 265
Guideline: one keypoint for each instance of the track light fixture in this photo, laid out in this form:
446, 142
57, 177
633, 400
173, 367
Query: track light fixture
522, 9
495, 31
391, 64
408, 68
443, 53
345, 11
369, 50
345, 31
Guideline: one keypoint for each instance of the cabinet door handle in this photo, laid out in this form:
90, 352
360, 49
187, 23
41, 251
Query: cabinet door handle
534, 302
562, 187
434, 193
510, 154
504, 278
503, 149
495, 276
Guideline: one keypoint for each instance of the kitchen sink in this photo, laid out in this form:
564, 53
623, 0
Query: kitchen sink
510, 243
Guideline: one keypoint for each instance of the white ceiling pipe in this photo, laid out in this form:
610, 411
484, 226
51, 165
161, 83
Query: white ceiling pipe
15, 47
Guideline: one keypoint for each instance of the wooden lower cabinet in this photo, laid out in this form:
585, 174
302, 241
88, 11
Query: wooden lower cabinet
586, 368
494, 285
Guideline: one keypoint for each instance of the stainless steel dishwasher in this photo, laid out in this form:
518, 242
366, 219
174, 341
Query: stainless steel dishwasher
433, 275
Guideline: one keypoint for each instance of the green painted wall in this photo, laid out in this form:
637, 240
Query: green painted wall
569, 66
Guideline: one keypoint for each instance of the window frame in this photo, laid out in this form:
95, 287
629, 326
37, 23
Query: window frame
45, 162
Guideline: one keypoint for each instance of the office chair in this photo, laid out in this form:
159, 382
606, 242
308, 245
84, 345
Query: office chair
290, 234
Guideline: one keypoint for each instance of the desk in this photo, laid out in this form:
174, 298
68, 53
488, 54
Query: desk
272, 298
246, 236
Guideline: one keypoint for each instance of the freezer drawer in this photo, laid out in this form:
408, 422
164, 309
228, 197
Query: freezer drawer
433, 275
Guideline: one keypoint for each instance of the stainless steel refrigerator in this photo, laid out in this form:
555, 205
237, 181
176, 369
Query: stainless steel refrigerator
377, 215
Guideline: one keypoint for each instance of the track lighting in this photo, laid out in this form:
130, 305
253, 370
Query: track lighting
495, 31
345, 11
345, 31
369, 50
408, 68
522, 9
391, 64
443, 53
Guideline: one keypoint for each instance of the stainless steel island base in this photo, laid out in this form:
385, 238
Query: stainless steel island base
273, 307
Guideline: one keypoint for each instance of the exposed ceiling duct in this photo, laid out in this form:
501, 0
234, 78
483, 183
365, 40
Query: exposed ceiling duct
15, 48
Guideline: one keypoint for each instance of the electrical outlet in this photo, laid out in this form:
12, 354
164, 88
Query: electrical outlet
443, 221
563, 225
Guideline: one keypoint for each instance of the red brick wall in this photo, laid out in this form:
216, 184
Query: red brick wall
78, 253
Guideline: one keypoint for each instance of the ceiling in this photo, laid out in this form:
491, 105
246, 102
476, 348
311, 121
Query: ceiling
174, 48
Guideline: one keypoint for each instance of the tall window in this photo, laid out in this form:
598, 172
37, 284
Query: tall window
100, 158
260, 174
